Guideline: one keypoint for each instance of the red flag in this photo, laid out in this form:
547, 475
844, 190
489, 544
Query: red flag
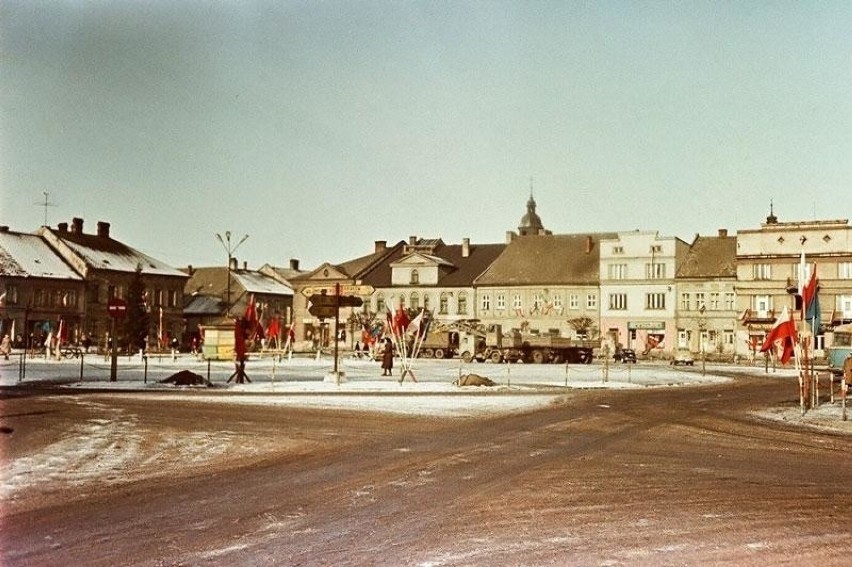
809, 290
274, 328
251, 310
783, 332
400, 321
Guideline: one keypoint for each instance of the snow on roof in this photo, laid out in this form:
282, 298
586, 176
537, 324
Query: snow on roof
104, 253
28, 255
255, 282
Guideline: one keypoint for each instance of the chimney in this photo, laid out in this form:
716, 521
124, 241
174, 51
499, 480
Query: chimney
723, 233
62, 227
190, 270
510, 236
294, 264
103, 229
465, 247
381, 245
245, 265
4, 228
233, 264
77, 225
412, 240
588, 245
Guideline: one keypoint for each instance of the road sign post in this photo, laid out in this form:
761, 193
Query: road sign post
116, 308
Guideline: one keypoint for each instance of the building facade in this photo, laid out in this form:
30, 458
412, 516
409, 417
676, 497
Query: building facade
768, 274
638, 290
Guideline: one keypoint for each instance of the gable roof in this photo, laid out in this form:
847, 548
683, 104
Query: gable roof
458, 270
106, 253
355, 269
710, 257
213, 281
552, 259
30, 256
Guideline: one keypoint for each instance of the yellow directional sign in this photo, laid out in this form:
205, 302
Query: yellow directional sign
345, 289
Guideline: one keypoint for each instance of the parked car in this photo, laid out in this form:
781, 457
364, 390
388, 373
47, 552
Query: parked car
683, 357
625, 355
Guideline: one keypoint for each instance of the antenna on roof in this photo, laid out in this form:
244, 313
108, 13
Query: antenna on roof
46, 203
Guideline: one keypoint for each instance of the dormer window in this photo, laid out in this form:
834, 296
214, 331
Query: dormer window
415, 277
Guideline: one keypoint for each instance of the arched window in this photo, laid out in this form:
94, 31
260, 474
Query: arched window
461, 306
380, 303
442, 308
415, 277
415, 300
426, 301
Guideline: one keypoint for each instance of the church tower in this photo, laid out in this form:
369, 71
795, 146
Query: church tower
531, 222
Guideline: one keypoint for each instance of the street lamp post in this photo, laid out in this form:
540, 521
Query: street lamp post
226, 244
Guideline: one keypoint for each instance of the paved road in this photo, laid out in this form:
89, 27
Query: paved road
653, 477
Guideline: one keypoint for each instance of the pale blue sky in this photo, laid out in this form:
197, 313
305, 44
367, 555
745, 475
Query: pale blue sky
319, 127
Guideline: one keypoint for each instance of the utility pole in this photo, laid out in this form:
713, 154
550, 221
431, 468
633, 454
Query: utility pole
226, 243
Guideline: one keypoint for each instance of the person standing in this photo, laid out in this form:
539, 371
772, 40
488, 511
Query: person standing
6, 347
387, 358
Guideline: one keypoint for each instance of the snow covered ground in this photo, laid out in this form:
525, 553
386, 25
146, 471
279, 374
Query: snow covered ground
113, 448
306, 381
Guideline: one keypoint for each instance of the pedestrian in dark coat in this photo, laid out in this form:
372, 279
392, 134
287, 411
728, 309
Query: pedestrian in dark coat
387, 358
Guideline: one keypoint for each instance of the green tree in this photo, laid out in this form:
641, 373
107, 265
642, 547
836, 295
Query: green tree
138, 320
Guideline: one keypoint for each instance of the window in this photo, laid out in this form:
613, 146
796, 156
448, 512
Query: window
557, 302
618, 249
11, 295
93, 294
501, 301
618, 301
591, 301
844, 305
699, 301
730, 301
38, 297
656, 249
655, 271
517, 302
617, 271
655, 301
173, 298
538, 302
415, 301
380, 303
714, 301
415, 277
426, 301
844, 270
685, 301
762, 304
110, 292
485, 303
443, 305
461, 306
728, 338
763, 271
573, 301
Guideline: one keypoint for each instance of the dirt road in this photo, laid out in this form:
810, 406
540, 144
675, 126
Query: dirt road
685, 476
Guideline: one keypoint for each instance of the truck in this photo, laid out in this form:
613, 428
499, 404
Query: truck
514, 346
840, 348
440, 343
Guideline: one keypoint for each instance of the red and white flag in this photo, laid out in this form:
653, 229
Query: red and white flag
783, 333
